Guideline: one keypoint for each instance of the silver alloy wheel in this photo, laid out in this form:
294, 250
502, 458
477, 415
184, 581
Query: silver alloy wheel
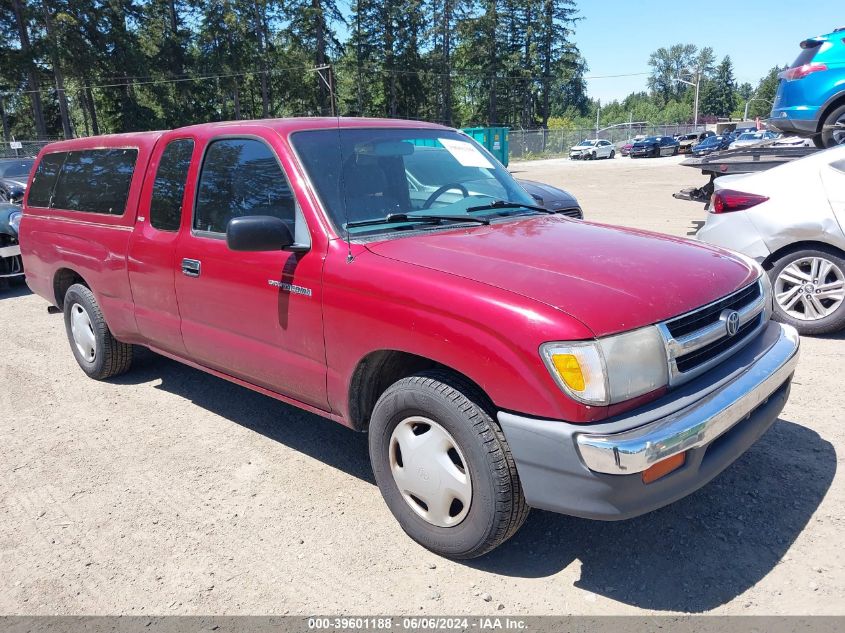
810, 288
83, 332
430, 471
839, 133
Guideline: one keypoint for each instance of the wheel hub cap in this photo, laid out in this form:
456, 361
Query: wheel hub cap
430, 471
810, 288
83, 332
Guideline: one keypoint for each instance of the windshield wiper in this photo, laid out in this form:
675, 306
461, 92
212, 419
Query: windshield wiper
506, 204
398, 218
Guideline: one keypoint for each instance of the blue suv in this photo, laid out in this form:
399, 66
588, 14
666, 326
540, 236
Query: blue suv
810, 101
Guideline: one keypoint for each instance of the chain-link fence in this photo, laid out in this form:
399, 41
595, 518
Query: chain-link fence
532, 144
22, 149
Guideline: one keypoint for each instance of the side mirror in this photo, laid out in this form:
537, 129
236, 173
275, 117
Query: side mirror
261, 233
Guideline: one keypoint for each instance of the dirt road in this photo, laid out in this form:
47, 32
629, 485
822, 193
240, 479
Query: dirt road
169, 491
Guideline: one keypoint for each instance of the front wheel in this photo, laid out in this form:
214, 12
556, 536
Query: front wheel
809, 289
444, 467
98, 353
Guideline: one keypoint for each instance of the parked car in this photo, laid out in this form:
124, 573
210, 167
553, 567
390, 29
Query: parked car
468, 335
795, 232
424, 175
11, 267
810, 100
712, 144
625, 150
591, 149
552, 198
746, 139
13, 175
655, 146
686, 142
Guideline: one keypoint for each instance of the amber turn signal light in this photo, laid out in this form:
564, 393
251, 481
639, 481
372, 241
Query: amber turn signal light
664, 467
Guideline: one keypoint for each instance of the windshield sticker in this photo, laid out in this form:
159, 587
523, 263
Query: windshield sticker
465, 153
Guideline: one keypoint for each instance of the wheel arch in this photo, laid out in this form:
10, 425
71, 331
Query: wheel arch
63, 279
378, 370
835, 101
779, 254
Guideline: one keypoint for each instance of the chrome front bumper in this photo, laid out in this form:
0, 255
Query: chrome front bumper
635, 450
594, 471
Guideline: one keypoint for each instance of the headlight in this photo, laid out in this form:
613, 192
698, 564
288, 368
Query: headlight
611, 369
15, 222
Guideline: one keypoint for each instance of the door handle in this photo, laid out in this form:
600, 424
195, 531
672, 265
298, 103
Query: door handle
191, 267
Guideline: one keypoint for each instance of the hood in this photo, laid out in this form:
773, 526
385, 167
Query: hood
611, 279
546, 194
14, 182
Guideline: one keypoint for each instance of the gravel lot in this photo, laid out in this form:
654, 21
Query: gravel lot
169, 491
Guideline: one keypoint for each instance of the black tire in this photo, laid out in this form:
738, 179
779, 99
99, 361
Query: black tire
676, 151
612, 153
825, 325
111, 357
828, 136
593, 156
497, 509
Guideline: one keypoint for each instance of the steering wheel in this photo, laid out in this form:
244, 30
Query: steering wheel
441, 190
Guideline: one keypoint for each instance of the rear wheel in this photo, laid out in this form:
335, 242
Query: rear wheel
97, 352
833, 129
613, 153
444, 467
809, 290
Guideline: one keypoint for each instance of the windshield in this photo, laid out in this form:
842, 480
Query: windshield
650, 139
16, 169
587, 142
750, 136
366, 174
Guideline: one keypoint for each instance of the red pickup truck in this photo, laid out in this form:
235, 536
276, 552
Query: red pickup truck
500, 356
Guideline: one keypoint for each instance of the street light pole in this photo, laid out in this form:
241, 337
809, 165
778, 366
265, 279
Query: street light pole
697, 86
747, 103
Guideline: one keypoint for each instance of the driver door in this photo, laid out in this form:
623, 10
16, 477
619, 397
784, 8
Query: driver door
252, 315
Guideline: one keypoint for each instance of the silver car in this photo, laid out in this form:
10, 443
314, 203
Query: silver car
790, 219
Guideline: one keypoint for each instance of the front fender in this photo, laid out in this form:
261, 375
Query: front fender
489, 335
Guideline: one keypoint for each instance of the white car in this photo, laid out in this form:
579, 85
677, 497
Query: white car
790, 219
591, 149
752, 138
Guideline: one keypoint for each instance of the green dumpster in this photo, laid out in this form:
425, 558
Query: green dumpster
495, 139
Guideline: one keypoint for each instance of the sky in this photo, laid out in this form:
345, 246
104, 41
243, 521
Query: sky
617, 36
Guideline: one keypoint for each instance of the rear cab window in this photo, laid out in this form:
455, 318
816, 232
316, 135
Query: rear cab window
169, 185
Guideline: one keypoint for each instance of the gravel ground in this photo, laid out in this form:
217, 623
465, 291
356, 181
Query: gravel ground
169, 491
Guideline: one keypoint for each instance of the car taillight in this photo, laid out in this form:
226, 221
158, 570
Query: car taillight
799, 72
728, 201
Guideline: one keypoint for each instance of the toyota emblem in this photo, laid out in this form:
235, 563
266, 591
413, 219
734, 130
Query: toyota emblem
731, 321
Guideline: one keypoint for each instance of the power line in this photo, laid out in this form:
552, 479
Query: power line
130, 81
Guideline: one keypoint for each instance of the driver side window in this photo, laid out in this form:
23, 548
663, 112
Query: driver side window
241, 177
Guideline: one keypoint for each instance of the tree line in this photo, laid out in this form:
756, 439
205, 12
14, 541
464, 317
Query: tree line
80, 67
669, 101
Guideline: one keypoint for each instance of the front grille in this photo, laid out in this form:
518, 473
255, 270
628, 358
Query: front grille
572, 212
711, 351
699, 340
709, 314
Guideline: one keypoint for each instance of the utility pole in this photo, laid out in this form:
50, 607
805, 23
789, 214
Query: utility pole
697, 86
598, 114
